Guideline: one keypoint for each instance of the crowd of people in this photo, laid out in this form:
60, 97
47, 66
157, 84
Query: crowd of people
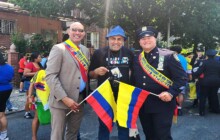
68, 68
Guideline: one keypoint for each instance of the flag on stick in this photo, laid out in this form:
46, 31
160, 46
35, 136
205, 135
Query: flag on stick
103, 103
130, 100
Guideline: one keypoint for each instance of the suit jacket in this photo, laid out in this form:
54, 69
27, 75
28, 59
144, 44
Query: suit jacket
63, 75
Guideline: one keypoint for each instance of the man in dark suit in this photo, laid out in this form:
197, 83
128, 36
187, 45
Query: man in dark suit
158, 71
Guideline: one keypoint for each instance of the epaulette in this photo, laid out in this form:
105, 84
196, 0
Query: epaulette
165, 52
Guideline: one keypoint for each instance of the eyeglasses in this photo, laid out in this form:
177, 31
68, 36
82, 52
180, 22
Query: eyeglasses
79, 30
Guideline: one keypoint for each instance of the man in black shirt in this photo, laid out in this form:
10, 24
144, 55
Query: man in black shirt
114, 61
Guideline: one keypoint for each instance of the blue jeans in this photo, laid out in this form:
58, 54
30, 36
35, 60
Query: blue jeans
26, 85
8, 104
104, 134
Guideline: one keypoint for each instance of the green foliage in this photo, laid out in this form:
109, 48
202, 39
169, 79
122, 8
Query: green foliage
34, 44
194, 21
18, 39
47, 8
38, 44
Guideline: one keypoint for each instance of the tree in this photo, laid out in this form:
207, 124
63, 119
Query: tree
19, 41
47, 8
38, 44
194, 21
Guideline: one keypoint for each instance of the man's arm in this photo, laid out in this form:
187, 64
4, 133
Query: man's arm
178, 76
95, 68
100, 71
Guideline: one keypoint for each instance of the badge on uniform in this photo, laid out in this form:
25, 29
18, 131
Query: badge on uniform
160, 63
116, 71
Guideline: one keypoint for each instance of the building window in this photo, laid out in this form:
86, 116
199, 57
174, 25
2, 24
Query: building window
7, 26
92, 39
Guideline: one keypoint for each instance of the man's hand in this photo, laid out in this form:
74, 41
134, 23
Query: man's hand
74, 106
165, 96
101, 71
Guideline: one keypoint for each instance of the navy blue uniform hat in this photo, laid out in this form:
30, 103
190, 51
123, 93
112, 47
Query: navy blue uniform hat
117, 30
177, 49
211, 52
146, 31
200, 49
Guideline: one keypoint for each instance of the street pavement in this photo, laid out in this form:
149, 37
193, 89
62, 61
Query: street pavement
190, 126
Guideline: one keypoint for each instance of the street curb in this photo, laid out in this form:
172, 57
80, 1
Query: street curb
12, 112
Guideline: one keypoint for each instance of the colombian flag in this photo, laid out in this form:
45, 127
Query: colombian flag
130, 100
103, 103
42, 89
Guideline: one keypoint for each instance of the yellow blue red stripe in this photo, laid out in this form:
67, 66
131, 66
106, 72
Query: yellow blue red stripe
103, 103
130, 100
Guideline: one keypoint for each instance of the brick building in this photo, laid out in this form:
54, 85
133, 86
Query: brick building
14, 19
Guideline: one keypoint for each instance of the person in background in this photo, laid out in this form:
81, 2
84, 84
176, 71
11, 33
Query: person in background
112, 57
35, 86
189, 56
6, 75
29, 71
44, 60
196, 61
183, 62
9, 105
66, 76
160, 72
22, 63
208, 74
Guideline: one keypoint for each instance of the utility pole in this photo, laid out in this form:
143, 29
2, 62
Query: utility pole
168, 34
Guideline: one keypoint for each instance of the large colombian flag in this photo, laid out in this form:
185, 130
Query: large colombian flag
103, 103
130, 100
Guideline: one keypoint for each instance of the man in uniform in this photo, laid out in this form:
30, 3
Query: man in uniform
117, 58
208, 74
160, 72
196, 61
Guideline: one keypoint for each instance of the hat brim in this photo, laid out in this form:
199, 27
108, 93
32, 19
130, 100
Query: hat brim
146, 33
115, 35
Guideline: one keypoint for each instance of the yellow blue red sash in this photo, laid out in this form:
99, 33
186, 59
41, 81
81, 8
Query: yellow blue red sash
77, 54
154, 73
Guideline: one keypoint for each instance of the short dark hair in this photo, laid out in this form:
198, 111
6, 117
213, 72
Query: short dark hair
65, 37
34, 55
177, 49
2, 59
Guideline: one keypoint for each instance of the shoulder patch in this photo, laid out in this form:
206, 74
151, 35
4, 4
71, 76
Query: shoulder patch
176, 57
165, 52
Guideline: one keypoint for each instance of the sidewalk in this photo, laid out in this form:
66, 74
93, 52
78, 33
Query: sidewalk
18, 100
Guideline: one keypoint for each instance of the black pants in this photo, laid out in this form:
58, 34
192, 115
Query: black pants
157, 126
211, 94
4, 95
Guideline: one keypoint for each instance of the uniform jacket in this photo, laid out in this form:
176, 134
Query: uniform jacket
210, 69
63, 75
171, 69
